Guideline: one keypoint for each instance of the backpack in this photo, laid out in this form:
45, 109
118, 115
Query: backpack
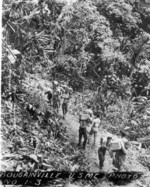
84, 117
115, 145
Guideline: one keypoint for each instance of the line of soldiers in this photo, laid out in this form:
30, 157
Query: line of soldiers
89, 126
57, 93
118, 156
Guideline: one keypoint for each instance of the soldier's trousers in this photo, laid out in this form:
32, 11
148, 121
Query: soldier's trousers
101, 155
83, 133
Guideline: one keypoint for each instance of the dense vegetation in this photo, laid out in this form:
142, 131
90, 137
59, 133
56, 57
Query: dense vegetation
99, 45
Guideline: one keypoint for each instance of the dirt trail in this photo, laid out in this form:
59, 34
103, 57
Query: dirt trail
73, 126
71, 122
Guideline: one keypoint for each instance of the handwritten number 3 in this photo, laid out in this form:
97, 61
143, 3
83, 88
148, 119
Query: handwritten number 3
38, 182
